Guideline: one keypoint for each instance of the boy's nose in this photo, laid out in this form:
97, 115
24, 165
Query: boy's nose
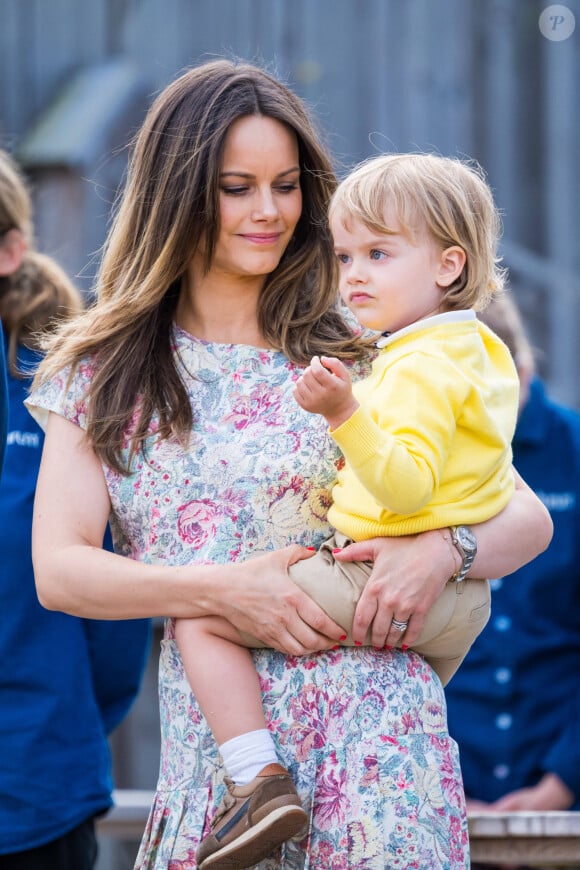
356, 273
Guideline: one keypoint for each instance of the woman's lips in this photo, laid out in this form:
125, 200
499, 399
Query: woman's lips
261, 238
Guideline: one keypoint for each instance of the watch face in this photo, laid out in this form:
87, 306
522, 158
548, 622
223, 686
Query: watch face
466, 539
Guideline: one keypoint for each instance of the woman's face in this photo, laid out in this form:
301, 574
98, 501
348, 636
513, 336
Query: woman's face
260, 197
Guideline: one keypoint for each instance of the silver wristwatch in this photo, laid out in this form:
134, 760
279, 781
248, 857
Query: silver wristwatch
466, 544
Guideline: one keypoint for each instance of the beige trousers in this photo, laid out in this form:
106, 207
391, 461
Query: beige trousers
454, 621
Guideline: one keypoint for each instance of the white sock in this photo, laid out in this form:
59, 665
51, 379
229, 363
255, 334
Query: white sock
246, 755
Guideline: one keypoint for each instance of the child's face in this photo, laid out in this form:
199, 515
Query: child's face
388, 281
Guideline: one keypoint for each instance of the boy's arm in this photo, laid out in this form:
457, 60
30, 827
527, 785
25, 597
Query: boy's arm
398, 444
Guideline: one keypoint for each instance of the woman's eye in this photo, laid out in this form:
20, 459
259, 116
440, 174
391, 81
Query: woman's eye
286, 188
234, 190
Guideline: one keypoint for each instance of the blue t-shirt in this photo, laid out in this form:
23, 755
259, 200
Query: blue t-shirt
514, 704
65, 682
3, 402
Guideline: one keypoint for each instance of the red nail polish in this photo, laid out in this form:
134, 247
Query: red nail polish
388, 647
404, 647
311, 548
336, 550
357, 643
335, 647
342, 637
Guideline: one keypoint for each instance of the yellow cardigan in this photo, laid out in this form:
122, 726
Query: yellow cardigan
430, 444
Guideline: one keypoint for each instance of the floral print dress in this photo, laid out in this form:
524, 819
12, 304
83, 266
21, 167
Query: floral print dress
362, 731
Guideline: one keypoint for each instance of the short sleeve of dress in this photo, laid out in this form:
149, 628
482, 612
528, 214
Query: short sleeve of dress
62, 394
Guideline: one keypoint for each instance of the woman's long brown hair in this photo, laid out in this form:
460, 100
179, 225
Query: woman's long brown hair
171, 202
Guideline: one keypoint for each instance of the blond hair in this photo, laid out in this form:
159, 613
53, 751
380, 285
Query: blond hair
445, 197
38, 295
169, 206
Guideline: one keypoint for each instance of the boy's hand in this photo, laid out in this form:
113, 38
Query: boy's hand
325, 388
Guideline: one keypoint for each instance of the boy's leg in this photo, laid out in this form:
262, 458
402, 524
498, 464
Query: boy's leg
445, 647
335, 586
262, 808
222, 676
454, 621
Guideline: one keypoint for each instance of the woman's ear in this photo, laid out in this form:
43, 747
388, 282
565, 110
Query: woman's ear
451, 263
12, 249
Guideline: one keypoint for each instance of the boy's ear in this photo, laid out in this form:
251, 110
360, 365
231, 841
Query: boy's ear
451, 264
12, 248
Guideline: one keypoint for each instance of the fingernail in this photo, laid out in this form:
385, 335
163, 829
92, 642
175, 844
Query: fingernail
336, 550
311, 548
357, 643
342, 637
388, 647
335, 647
404, 646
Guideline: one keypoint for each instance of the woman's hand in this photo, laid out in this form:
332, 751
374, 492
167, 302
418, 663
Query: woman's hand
258, 597
410, 573
550, 793
408, 576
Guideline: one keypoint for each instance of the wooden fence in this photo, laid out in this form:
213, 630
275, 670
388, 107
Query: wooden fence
468, 77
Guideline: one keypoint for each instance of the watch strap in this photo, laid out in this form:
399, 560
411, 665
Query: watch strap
467, 558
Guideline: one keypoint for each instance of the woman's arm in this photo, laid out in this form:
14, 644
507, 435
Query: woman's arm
514, 537
74, 574
410, 573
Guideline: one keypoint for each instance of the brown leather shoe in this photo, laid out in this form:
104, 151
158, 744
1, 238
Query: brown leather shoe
252, 821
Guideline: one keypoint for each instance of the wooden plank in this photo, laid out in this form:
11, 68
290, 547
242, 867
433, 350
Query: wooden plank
533, 838
533, 851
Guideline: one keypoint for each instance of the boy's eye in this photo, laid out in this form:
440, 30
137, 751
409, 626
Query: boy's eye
377, 255
343, 258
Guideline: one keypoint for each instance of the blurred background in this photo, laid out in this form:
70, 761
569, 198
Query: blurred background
495, 80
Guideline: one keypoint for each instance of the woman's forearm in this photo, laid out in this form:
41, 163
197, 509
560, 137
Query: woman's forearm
514, 537
89, 582
255, 596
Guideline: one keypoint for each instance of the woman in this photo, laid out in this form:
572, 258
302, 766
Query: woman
216, 288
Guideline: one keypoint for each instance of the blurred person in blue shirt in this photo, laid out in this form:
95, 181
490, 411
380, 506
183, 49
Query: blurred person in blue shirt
3, 403
65, 682
514, 705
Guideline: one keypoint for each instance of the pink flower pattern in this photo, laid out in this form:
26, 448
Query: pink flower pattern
362, 731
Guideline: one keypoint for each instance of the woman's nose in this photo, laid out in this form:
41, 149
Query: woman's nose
266, 206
